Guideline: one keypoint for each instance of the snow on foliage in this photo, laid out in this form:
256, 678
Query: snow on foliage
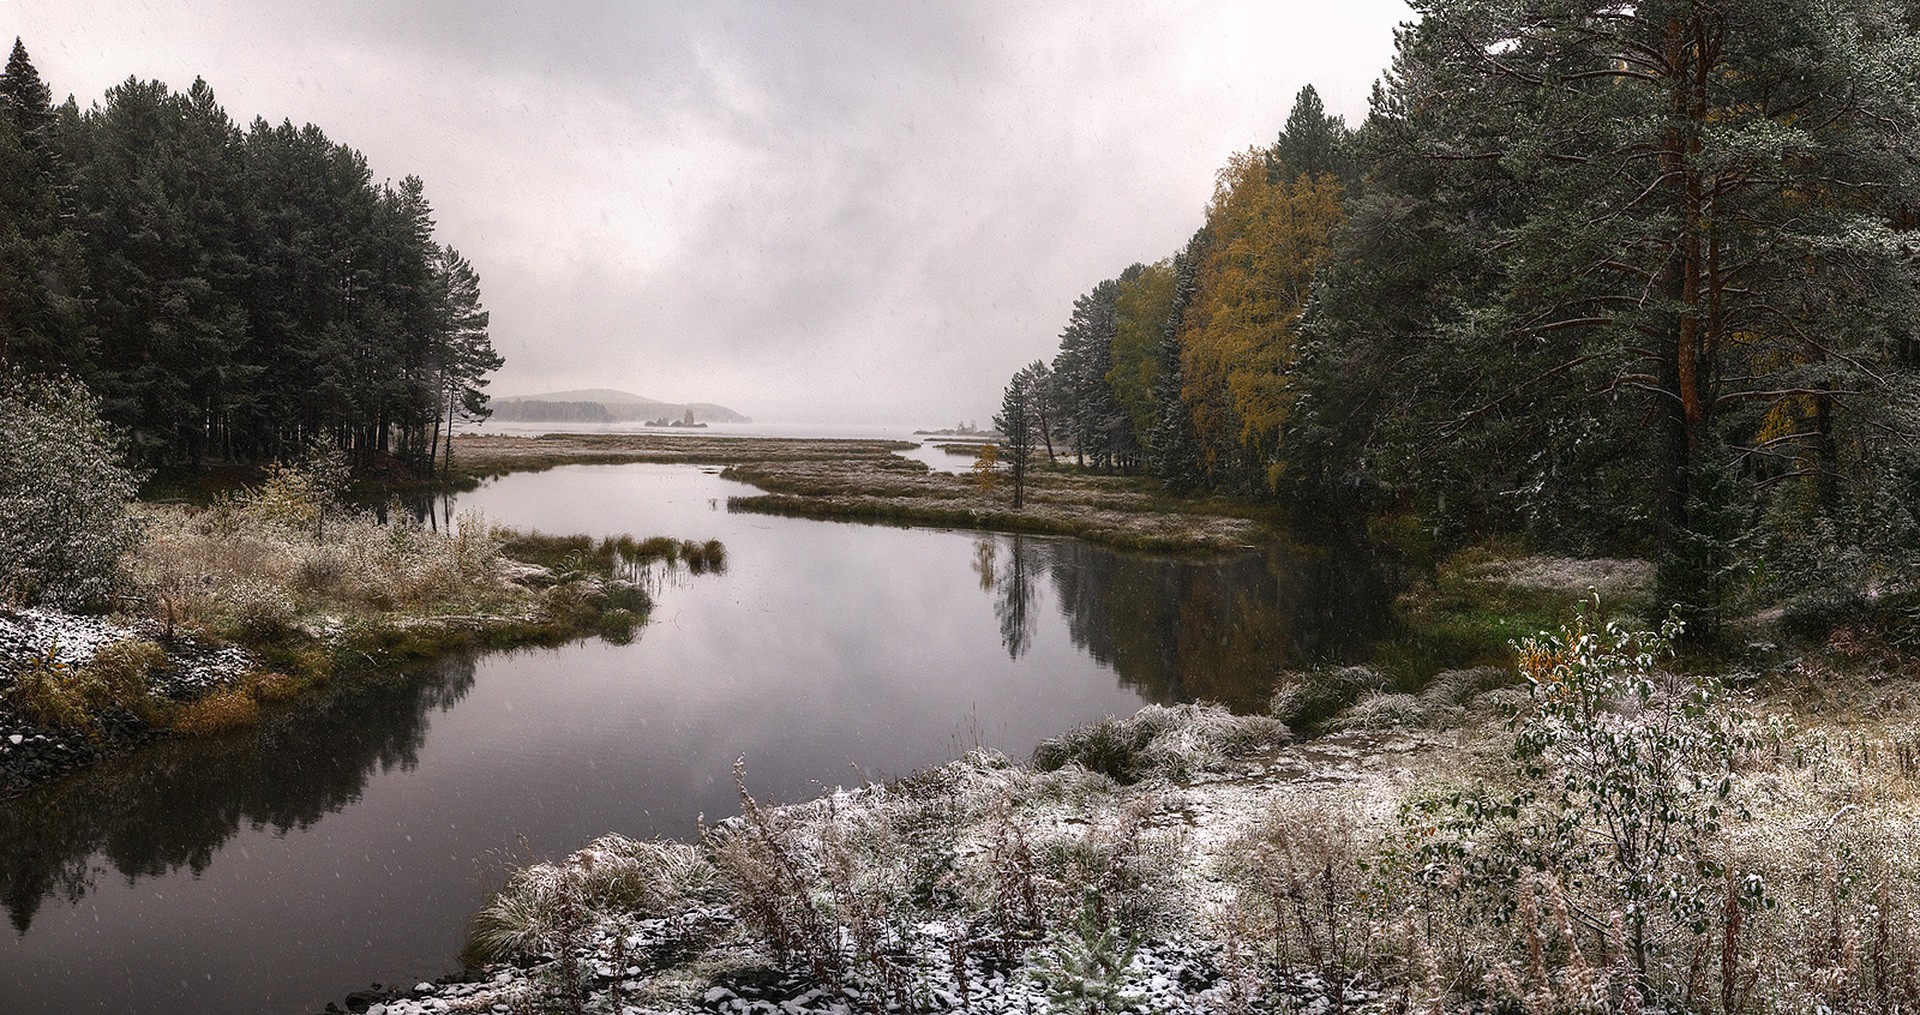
64, 491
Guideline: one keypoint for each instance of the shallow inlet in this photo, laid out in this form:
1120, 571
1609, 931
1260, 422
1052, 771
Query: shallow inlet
347, 841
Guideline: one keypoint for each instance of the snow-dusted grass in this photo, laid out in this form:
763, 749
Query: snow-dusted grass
1616, 839
1113, 510
254, 599
239, 572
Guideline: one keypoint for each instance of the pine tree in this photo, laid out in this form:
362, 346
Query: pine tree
1089, 412
1016, 425
1175, 447
41, 274
466, 354
1313, 144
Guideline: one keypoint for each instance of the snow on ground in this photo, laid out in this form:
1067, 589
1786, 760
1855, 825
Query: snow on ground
641, 968
31, 752
1606, 575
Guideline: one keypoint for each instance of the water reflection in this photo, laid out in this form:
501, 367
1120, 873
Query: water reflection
338, 845
1011, 583
172, 806
1182, 629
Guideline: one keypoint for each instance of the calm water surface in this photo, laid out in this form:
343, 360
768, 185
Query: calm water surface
347, 841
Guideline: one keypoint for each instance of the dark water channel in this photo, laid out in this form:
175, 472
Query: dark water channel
346, 842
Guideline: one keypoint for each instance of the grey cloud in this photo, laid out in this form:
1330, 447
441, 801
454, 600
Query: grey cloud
808, 211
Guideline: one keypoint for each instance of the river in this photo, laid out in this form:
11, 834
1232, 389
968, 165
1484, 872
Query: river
346, 840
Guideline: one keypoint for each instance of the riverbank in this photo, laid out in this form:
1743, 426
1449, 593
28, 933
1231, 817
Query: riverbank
1188, 860
242, 607
479, 456
854, 480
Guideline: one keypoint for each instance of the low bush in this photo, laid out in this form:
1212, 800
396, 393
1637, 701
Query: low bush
1308, 699
64, 494
1161, 742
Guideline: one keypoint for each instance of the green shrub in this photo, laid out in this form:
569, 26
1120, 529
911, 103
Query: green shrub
64, 491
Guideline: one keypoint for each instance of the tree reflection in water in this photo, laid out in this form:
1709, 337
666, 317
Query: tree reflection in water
1194, 629
1171, 628
174, 804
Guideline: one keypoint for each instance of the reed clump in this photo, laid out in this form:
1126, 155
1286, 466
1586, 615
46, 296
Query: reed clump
620, 557
115, 683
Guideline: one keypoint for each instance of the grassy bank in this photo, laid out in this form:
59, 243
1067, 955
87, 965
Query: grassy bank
1121, 511
240, 606
1590, 831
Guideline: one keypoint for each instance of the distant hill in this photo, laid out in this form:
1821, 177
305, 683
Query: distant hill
604, 405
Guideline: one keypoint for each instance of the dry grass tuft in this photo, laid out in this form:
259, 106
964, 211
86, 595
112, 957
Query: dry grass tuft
116, 681
220, 712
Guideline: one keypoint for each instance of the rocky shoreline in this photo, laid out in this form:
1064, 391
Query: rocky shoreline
33, 752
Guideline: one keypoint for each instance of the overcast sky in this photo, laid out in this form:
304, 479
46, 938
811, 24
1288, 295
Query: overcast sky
806, 211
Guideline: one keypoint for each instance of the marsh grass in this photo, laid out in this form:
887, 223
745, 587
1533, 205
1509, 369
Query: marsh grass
480, 456
312, 591
114, 684
251, 575
1124, 530
222, 711
617, 557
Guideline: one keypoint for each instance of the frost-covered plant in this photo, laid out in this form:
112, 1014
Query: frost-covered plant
1381, 710
64, 491
303, 494
1302, 879
1634, 767
1309, 698
777, 886
542, 904
1161, 742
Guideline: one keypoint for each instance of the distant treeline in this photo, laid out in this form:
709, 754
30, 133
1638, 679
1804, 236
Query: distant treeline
1633, 278
228, 293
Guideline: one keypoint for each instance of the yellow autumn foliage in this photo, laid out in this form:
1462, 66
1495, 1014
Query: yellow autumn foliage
1266, 240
